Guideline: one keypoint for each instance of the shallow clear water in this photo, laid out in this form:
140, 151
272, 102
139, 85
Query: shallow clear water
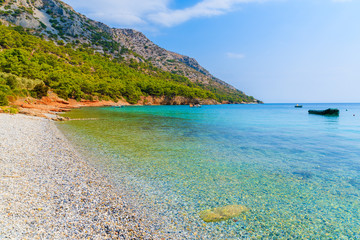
299, 174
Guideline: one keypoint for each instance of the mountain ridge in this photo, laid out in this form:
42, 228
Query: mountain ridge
57, 21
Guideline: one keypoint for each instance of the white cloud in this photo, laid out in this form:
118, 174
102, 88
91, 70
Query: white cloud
140, 13
132, 13
235, 55
206, 8
125, 13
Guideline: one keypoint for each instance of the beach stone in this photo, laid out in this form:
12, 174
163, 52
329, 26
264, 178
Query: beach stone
49, 191
222, 213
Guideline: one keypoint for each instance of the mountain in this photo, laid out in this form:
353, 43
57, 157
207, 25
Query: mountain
56, 21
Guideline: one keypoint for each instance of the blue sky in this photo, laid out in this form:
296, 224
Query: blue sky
275, 50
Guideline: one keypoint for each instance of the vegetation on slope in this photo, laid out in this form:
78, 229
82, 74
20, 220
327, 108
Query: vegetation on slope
30, 65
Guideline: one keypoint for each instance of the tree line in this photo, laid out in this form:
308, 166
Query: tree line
30, 65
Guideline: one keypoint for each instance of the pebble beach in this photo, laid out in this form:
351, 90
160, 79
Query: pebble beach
48, 191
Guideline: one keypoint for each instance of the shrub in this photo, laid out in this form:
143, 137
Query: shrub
11, 82
39, 91
3, 99
11, 110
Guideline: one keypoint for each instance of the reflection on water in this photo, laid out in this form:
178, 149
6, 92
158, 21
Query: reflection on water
330, 120
297, 173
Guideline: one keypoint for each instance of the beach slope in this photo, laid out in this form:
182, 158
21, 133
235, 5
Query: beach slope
48, 192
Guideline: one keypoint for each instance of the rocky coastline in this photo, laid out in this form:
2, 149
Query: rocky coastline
50, 106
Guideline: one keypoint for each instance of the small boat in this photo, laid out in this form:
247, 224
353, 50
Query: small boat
298, 106
327, 112
195, 105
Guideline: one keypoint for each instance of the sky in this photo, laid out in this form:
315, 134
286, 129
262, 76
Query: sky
292, 51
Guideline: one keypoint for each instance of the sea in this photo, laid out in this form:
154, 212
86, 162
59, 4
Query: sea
298, 174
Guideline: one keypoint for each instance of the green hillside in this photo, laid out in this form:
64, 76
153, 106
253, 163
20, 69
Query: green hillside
29, 65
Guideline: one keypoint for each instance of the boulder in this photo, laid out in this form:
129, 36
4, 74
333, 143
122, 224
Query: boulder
222, 213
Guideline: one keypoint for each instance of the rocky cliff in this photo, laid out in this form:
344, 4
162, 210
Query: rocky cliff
57, 21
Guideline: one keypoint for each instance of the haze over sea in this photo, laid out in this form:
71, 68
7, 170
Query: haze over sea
299, 174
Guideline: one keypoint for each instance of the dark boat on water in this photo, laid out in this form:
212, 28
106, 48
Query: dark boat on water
327, 112
298, 106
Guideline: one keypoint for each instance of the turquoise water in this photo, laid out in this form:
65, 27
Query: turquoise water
298, 174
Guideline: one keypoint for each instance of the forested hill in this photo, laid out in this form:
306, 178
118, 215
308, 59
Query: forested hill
48, 43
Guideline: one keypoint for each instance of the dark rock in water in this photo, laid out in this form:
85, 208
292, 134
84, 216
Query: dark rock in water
222, 213
303, 174
327, 112
355, 183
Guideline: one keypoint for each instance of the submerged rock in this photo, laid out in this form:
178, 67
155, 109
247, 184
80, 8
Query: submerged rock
303, 174
222, 213
355, 183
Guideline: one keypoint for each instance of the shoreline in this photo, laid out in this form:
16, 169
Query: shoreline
50, 106
48, 191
